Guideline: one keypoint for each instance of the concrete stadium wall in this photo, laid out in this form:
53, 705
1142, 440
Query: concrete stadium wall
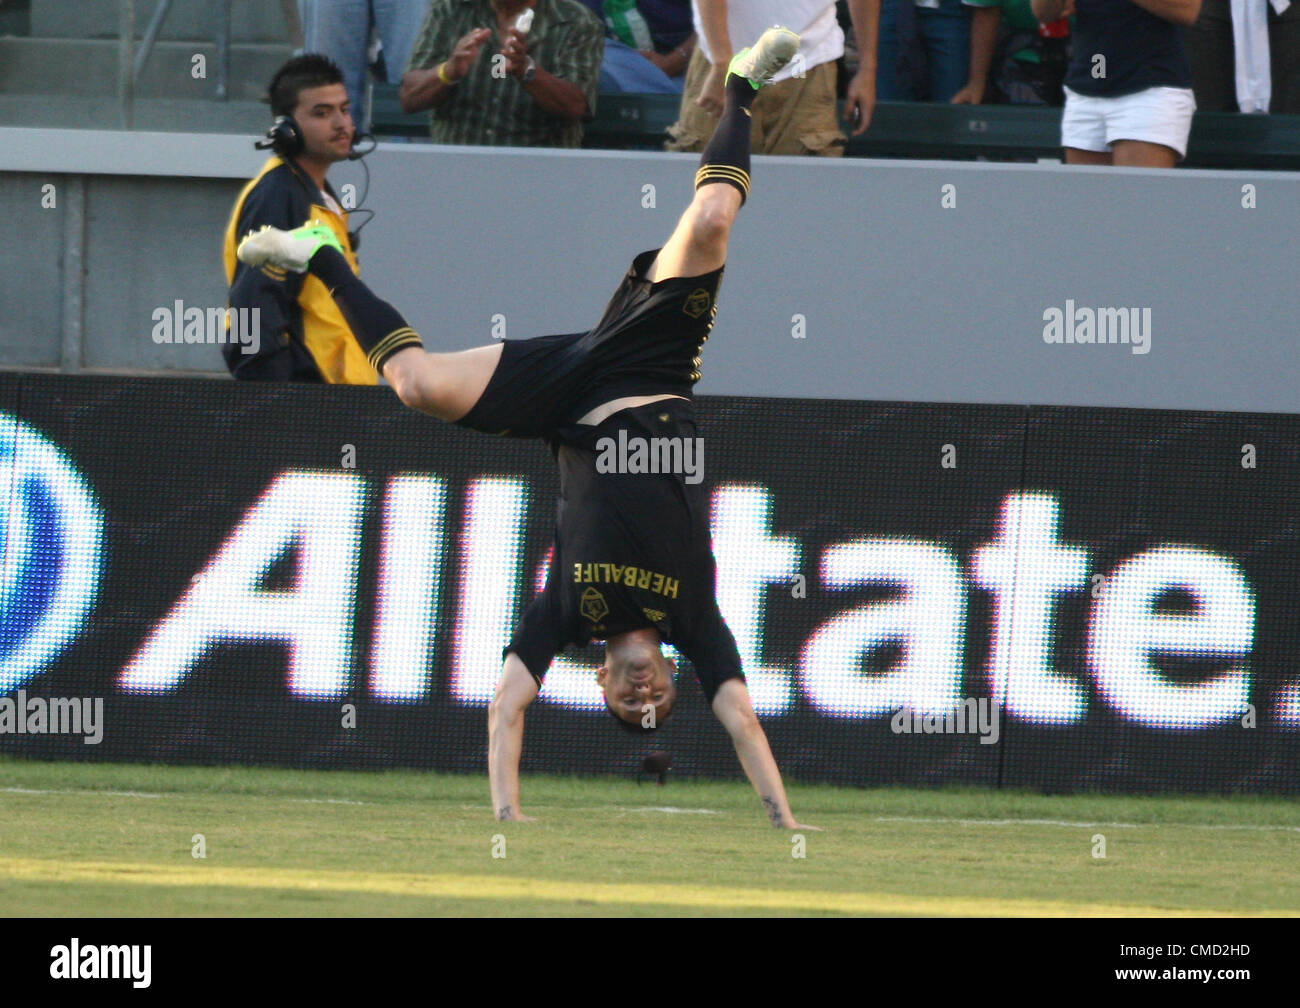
878, 280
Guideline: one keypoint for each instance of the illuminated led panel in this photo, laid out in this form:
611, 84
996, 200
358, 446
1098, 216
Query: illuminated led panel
408, 594
1027, 569
1127, 631
316, 514
927, 619
490, 558
52, 532
750, 560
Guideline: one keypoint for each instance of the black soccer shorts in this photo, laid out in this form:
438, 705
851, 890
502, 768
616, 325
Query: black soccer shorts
648, 342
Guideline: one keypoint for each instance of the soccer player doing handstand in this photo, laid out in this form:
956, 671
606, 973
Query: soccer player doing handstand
633, 561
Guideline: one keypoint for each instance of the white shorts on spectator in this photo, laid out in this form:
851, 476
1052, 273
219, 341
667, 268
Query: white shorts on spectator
1160, 115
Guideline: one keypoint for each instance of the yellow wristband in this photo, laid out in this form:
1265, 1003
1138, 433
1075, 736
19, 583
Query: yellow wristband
441, 67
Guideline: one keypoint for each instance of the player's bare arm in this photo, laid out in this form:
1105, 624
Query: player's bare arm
515, 691
733, 709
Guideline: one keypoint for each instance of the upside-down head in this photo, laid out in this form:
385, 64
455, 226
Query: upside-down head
637, 680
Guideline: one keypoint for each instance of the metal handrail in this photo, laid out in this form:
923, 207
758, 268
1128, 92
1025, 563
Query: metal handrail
125, 62
150, 36
223, 51
131, 63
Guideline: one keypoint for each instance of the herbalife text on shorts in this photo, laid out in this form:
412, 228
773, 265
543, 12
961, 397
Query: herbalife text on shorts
24, 715
651, 455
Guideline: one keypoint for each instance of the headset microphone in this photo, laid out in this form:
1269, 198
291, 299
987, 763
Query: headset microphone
357, 154
286, 139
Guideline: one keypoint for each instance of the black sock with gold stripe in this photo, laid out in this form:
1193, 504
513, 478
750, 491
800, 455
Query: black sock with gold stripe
726, 157
377, 326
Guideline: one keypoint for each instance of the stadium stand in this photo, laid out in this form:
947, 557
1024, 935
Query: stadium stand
40, 39
193, 71
916, 130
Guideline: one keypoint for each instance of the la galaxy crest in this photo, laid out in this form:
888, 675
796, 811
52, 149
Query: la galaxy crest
593, 605
697, 303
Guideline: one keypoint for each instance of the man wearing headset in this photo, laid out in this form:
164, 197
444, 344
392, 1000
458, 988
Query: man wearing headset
302, 335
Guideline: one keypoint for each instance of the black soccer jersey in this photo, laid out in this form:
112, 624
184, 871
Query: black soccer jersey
633, 547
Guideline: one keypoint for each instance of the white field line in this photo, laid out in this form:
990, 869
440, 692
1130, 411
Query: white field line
673, 810
146, 794
1084, 825
84, 791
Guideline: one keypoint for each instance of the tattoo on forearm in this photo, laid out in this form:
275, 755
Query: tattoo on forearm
773, 811
504, 811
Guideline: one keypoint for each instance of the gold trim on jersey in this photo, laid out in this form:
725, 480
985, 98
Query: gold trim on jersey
396, 340
723, 173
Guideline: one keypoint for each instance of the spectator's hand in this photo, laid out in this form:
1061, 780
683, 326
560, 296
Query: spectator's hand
971, 94
711, 93
860, 96
515, 50
663, 62
466, 52
1067, 10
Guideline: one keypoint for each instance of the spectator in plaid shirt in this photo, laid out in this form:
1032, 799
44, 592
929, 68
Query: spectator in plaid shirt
487, 83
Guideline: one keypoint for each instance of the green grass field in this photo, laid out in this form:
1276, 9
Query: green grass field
117, 840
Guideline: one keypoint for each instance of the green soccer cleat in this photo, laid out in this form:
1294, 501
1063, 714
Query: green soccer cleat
764, 59
290, 250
